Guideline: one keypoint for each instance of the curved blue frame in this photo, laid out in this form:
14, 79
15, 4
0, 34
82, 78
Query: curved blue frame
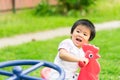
19, 74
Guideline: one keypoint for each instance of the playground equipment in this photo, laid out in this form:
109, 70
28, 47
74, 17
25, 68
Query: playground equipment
19, 74
92, 69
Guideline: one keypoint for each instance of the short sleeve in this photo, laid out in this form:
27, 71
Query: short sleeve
66, 44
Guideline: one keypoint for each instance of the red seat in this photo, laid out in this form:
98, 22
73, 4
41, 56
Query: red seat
45, 73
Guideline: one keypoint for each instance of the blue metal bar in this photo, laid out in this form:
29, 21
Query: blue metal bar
19, 62
5, 73
33, 68
18, 74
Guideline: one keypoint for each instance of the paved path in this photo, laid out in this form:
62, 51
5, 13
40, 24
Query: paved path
16, 40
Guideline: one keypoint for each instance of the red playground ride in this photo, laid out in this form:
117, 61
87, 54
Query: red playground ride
92, 69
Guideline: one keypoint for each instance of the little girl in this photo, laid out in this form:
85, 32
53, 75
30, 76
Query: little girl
70, 51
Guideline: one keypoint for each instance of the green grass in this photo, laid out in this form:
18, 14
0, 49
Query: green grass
109, 49
107, 41
13, 24
104, 10
25, 22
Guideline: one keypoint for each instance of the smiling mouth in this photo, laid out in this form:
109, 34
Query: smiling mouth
79, 40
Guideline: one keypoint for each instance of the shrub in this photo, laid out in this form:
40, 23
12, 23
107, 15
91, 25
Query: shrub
64, 7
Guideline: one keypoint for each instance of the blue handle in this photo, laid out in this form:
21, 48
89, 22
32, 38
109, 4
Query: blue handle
19, 74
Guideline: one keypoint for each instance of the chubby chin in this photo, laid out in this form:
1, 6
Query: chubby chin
79, 44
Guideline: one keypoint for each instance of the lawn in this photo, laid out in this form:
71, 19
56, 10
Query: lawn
109, 45
26, 22
106, 40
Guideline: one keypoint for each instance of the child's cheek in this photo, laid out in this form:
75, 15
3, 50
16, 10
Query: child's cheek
85, 41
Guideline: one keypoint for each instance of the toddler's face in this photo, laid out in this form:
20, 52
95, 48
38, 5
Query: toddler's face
80, 35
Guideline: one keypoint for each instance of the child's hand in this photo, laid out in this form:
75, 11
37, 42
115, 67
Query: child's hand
83, 62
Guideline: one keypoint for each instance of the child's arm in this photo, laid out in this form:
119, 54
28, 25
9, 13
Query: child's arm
69, 57
91, 52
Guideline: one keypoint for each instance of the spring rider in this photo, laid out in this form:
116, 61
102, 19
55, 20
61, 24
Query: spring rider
92, 69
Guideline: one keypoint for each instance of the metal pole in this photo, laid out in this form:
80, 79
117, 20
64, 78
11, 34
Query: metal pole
13, 6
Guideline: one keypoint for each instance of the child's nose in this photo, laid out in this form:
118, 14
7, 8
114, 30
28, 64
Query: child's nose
81, 34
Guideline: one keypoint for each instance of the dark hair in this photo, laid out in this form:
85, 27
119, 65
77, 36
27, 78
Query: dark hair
88, 24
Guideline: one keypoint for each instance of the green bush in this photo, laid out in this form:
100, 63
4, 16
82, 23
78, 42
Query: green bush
64, 7
45, 9
79, 5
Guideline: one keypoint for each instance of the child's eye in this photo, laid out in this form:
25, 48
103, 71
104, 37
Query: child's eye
78, 31
85, 34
